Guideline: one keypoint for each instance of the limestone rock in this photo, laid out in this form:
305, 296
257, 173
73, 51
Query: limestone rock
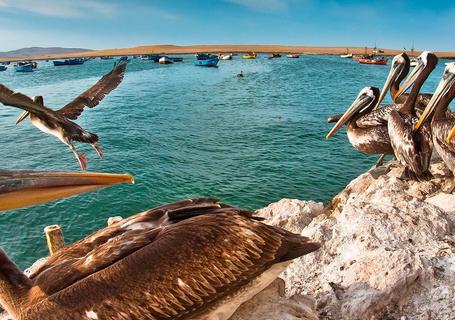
388, 249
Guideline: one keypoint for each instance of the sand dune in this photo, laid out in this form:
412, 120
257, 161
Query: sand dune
173, 49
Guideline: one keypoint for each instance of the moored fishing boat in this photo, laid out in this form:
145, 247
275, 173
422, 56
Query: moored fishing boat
346, 56
226, 56
106, 58
207, 63
165, 60
68, 62
3, 68
23, 67
124, 58
378, 61
205, 56
293, 56
250, 55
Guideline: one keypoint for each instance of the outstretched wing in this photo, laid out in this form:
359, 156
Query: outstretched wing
92, 97
19, 100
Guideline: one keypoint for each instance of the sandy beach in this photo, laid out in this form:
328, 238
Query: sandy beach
222, 48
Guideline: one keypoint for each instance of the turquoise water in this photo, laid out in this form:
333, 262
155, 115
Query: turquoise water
185, 131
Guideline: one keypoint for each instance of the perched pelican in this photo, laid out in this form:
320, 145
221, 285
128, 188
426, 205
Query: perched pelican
368, 137
24, 188
442, 126
58, 123
193, 259
411, 147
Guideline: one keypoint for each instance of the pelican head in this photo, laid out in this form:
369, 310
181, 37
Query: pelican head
24, 188
39, 100
426, 58
399, 69
364, 101
445, 86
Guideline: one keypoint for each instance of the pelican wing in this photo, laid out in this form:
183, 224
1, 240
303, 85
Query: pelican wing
184, 257
92, 97
376, 117
19, 100
413, 150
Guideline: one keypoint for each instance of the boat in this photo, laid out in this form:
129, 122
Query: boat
165, 60
151, 57
207, 63
379, 61
293, 56
106, 58
3, 68
273, 56
124, 58
176, 59
413, 62
347, 56
205, 56
251, 55
23, 67
68, 62
226, 56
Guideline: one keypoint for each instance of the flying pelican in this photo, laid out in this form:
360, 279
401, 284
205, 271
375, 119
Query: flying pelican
193, 259
366, 136
24, 188
442, 126
412, 148
58, 123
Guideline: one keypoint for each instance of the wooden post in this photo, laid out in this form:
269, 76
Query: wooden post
55, 240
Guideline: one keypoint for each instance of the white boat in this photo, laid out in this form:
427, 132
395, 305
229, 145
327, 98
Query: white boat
226, 56
293, 56
413, 62
165, 60
346, 56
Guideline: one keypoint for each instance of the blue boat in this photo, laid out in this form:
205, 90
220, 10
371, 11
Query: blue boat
154, 57
207, 63
23, 67
68, 62
3, 68
205, 56
124, 58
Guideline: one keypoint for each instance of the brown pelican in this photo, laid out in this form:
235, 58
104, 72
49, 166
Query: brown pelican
193, 259
25, 188
58, 123
442, 126
412, 148
366, 136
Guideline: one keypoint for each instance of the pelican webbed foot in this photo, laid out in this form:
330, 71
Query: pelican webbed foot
98, 149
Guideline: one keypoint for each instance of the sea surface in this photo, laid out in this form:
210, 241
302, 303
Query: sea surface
186, 131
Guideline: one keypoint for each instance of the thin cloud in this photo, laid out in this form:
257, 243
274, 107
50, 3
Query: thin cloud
60, 8
263, 5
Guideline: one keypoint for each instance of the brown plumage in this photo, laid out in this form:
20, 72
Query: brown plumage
187, 260
442, 122
413, 148
58, 123
368, 136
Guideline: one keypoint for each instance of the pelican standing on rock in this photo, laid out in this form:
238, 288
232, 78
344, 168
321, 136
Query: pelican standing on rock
442, 126
413, 148
58, 123
366, 136
193, 259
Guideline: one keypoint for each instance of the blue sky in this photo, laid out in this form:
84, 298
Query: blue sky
101, 24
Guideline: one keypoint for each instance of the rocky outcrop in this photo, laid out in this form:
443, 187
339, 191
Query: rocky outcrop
388, 248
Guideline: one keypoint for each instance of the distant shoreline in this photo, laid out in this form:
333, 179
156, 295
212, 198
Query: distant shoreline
173, 49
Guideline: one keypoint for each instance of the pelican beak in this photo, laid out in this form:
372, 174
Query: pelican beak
361, 102
412, 77
393, 75
450, 135
23, 115
447, 81
25, 188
